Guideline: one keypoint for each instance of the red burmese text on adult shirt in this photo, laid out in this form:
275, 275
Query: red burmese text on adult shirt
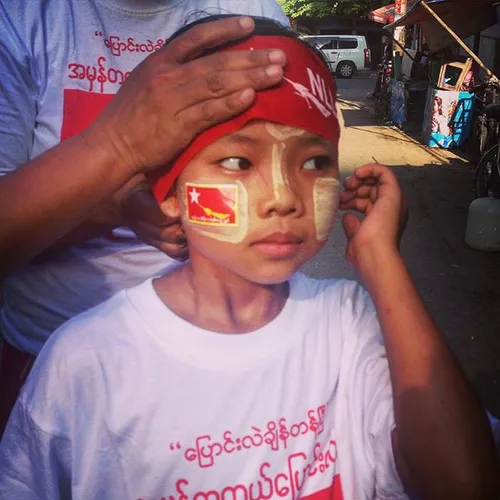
212, 205
333, 492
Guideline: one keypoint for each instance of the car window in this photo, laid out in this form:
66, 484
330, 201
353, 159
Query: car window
330, 44
314, 41
348, 43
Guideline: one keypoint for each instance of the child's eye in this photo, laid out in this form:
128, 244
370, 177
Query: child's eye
235, 164
317, 163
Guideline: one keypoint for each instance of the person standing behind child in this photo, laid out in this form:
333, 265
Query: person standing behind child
61, 63
234, 376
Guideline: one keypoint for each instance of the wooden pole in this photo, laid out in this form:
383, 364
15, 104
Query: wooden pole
458, 40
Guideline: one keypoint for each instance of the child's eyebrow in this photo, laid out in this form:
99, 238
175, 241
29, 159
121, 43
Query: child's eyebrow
241, 139
307, 139
314, 140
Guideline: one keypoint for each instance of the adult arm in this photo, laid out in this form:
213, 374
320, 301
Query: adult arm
166, 101
442, 442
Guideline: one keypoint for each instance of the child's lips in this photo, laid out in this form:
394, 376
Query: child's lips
279, 245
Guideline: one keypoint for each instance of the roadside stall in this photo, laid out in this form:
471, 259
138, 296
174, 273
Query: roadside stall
433, 80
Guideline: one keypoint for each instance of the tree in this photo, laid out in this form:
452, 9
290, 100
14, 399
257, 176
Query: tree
323, 8
306, 8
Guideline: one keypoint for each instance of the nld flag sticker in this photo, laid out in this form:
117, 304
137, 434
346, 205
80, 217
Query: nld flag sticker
212, 204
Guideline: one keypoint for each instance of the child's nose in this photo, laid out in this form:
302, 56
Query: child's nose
282, 199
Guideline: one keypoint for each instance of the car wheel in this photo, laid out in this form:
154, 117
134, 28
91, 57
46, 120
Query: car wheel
345, 69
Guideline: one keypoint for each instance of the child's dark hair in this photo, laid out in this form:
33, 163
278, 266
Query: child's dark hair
263, 27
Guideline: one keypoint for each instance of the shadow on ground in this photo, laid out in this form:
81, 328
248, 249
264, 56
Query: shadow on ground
357, 118
460, 285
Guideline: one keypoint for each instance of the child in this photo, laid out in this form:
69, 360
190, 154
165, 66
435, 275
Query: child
234, 377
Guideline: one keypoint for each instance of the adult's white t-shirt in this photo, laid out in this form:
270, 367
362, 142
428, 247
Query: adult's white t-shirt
60, 63
130, 401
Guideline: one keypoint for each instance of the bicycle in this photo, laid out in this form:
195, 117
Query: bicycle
487, 175
486, 129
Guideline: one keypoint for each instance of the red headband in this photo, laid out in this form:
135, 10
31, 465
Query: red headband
305, 99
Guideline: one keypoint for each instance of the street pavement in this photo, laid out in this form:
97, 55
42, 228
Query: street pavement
460, 286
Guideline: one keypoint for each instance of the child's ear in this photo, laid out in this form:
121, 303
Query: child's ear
170, 206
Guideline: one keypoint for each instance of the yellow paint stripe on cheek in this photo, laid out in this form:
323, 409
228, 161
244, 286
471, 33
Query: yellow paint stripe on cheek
326, 201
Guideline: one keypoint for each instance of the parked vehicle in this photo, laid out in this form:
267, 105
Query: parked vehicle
345, 54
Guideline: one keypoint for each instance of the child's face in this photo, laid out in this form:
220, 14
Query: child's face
261, 201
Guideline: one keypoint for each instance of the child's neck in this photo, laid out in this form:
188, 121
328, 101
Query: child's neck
217, 300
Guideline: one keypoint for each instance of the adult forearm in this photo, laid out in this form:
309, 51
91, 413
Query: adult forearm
108, 215
442, 432
101, 221
51, 195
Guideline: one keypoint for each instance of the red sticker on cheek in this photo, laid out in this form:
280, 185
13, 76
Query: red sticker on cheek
212, 204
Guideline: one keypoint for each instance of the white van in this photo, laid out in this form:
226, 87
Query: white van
345, 54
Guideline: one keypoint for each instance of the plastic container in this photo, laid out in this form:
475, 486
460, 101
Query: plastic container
483, 225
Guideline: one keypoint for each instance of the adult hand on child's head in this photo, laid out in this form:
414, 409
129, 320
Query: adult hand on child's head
171, 96
142, 214
374, 191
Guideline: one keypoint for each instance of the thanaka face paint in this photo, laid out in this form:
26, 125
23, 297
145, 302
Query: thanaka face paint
280, 178
326, 200
325, 191
221, 211
281, 133
217, 211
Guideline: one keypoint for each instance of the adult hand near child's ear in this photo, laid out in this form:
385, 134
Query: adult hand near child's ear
173, 95
374, 191
143, 215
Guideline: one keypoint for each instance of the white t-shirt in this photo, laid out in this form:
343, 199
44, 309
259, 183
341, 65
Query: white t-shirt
60, 62
130, 401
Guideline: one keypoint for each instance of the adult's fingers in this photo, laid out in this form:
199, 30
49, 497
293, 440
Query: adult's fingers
176, 251
205, 36
218, 62
170, 231
213, 111
173, 250
220, 84
173, 234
